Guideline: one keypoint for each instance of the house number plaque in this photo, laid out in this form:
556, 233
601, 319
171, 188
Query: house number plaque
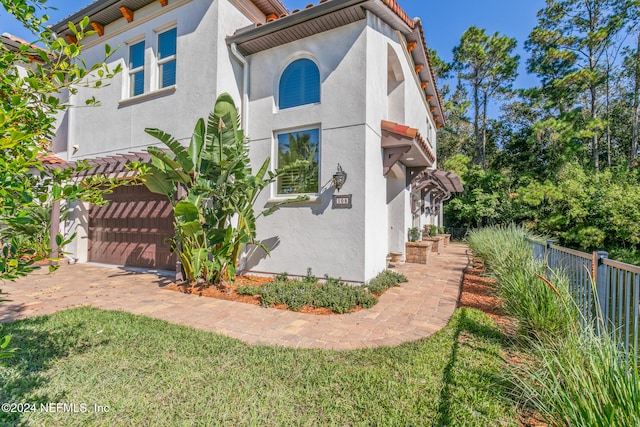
341, 201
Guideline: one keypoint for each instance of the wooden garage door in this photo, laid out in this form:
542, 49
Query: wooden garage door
131, 229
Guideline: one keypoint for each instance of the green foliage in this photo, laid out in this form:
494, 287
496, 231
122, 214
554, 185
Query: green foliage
215, 216
332, 294
572, 377
539, 310
573, 49
385, 280
581, 380
588, 210
488, 67
31, 229
5, 351
32, 81
414, 234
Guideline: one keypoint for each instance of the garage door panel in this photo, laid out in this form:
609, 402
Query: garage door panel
131, 229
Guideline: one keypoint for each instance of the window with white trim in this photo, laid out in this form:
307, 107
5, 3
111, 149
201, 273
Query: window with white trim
299, 84
167, 47
136, 69
299, 155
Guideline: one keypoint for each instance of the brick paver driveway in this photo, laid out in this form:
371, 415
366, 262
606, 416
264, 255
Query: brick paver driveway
410, 312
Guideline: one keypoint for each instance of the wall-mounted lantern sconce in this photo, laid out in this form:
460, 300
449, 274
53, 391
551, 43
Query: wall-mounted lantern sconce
339, 178
427, 210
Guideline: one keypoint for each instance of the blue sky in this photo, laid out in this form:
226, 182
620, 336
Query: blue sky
443, 21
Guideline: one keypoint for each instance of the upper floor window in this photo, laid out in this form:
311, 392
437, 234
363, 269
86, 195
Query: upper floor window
299, 84
136, 69
167, 58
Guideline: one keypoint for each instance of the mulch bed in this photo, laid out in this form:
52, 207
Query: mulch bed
229, 292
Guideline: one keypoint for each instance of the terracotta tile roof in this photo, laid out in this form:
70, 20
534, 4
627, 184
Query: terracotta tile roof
399, 129
409, 132
393, 5
50, 159
425, 147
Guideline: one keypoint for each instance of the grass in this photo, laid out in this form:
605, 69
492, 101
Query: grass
149, 372
581, 380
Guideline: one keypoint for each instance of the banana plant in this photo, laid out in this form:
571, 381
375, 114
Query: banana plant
213, 191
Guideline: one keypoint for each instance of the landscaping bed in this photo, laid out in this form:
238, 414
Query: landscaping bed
306, 295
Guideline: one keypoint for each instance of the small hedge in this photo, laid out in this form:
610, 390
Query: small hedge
385, 280
332, 294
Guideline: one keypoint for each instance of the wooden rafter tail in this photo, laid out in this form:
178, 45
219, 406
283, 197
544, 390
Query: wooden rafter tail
127, 13
98, 28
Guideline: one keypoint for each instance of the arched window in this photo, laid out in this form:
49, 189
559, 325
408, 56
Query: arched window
299, 84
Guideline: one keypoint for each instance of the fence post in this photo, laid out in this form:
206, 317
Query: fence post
547, 253
602, 287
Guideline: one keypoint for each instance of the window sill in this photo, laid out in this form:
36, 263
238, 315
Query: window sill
147, 96
313, 200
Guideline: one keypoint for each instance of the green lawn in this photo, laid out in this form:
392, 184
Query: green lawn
149, 372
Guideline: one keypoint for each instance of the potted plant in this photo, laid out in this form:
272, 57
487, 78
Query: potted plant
414, 234
426, 232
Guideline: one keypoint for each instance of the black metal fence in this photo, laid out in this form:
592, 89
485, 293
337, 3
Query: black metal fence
607, 292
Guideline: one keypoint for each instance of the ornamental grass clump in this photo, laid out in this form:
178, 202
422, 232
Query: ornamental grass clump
541, 309
581, 380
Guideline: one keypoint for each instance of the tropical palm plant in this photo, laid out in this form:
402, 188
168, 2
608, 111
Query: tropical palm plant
213, 191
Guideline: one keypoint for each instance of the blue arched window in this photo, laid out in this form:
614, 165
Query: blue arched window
300, 84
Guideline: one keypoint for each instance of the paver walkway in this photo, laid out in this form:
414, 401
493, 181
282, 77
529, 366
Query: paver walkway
406, 313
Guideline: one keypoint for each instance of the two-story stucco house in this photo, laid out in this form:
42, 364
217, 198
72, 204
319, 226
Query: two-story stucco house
347, 82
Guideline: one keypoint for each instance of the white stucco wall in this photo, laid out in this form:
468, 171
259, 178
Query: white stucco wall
388, 213
204, 70
313, 235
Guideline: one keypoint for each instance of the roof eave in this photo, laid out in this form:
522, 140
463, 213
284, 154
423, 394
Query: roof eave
90, 10
253, 32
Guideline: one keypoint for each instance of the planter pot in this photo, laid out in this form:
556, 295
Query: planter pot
396, 257
418, 252
447, 239
437, 243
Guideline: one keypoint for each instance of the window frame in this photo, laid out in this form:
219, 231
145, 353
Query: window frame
160, 62
132, 72
280, 83
276, 155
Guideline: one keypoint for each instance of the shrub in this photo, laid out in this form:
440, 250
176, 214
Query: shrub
332, 294
385, 280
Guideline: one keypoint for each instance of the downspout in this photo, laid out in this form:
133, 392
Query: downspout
244, 113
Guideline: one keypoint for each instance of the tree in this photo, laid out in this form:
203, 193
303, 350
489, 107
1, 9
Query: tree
489, 67
32, 81
569, 53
